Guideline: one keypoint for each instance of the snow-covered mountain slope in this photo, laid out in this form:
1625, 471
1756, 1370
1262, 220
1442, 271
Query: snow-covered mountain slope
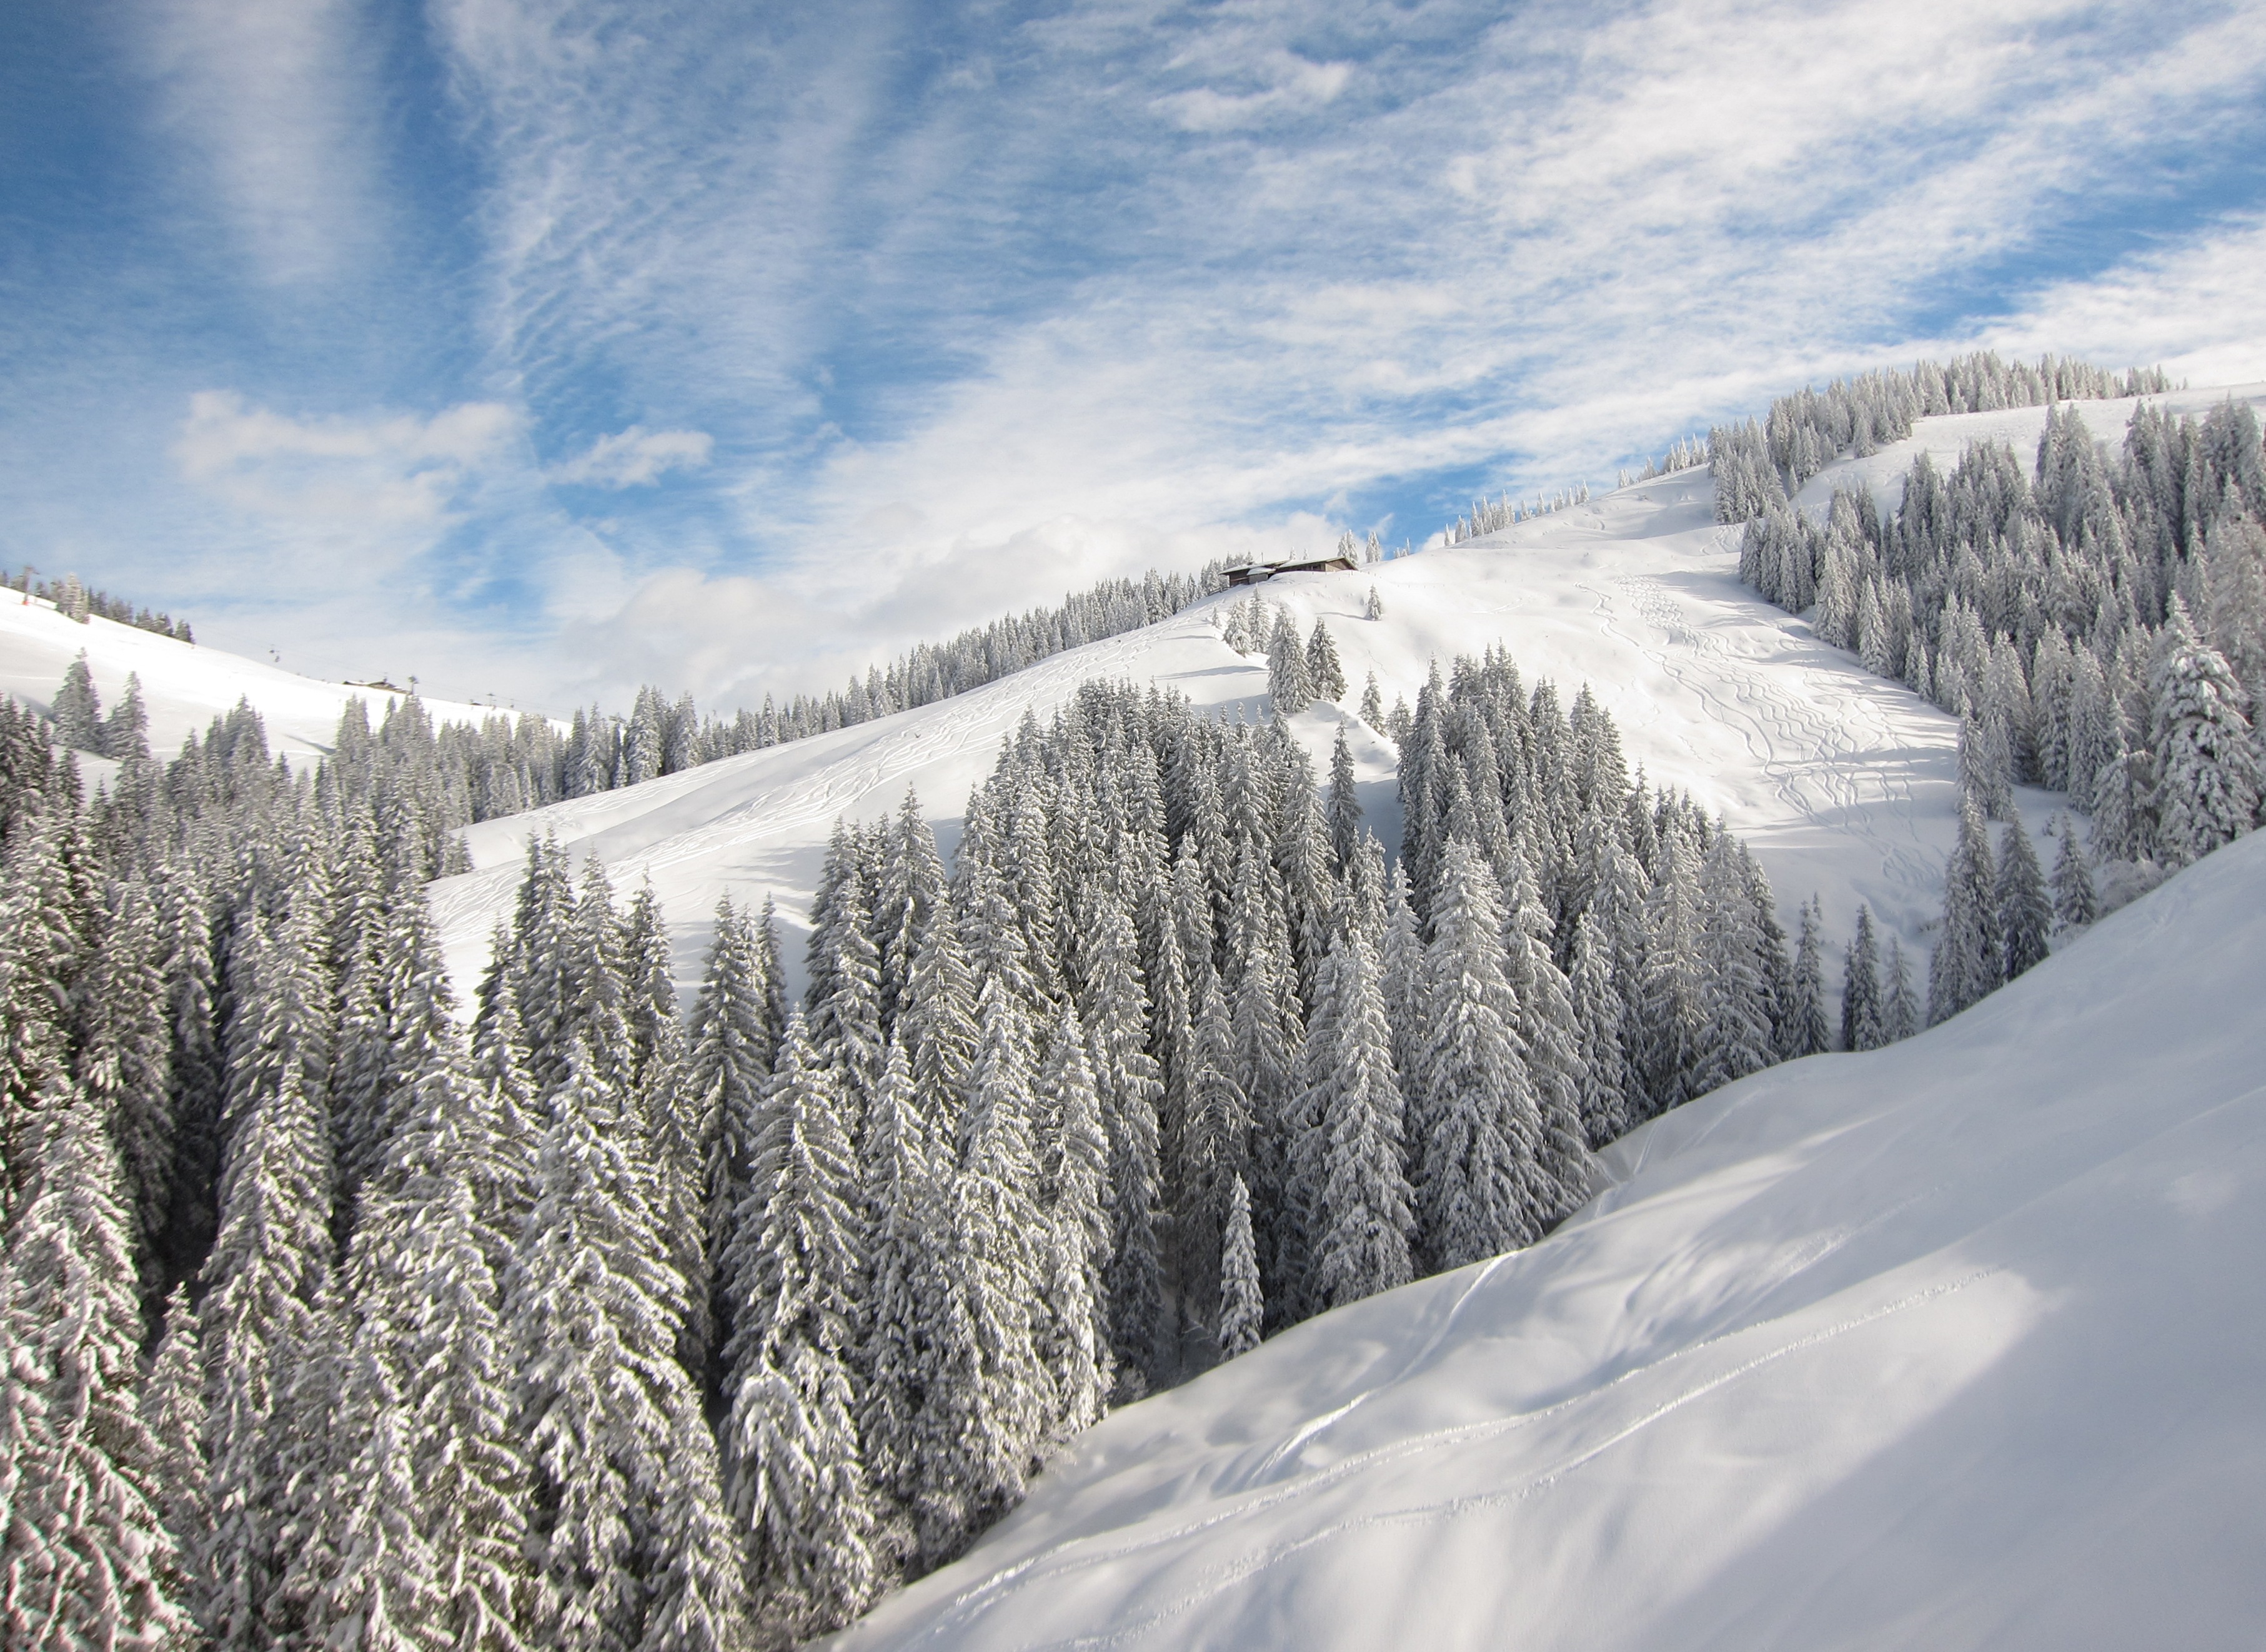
1844, 784
185, 686
1944, 440
1956, 1344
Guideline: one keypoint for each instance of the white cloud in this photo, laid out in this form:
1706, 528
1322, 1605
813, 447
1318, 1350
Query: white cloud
635, 457
276, 103
382, 470
975, 316
1291, 83
2194, 307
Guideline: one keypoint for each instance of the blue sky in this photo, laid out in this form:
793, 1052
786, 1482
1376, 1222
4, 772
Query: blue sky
542, 350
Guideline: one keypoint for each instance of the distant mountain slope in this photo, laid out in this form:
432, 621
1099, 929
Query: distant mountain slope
1951, 1345
1945, 438
1842, 783
184, 685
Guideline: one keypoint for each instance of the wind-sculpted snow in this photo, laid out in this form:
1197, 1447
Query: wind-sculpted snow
1954, 1345
1843, 784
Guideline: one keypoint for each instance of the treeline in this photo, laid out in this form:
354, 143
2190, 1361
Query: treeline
1490, 516
2098, 622
1759, 465
327, 1321
76, 601
506, 764
603, 752
1683, 453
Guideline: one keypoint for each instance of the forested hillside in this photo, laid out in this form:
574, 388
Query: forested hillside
590, 1326
2096, 620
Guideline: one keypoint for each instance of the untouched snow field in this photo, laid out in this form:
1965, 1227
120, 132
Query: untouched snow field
185, 686
1958, 1345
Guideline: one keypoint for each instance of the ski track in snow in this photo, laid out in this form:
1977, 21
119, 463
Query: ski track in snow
1840, 781
1938, 1345
1050, 1565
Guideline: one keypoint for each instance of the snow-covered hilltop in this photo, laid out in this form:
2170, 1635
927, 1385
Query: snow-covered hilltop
184, 686
1949, 1346
1844, 784
757, 1308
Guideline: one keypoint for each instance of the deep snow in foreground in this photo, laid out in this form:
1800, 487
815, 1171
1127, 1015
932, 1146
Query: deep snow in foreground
1955, 1344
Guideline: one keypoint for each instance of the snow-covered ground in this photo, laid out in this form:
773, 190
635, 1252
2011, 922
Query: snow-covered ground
1844, 784
1959, 1345
184, 686
1944, 440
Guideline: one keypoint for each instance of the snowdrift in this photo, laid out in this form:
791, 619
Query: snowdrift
1955, 1344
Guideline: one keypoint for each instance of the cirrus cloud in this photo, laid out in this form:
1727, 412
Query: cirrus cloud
635, 457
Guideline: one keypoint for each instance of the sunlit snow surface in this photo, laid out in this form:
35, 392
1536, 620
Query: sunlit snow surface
1957, 1344
184, 686
1843, 783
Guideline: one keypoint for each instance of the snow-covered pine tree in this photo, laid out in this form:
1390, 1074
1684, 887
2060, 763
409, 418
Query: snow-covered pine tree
1970, 959
905, 1291
1807, 1030
1372, 704
2076, 902
1598, 1015
1362, 1221
78, 710
173, 1403
369, 1582
1242, 1310
727, 1074
1073, 1150
196, 1074
1345, 805
1900, 1016
1479, 1188
463, 1448
83, 1549
1289, 683
1215, 1152
124, 1065
591, 1311
1670, 999
993, 1411
1736, 1036
2026, 916
1860, 987
1402, 977
2207, 762
699, 1600
1546, 1024
1324, 674
1130, 1088
269, 1266
804, 1488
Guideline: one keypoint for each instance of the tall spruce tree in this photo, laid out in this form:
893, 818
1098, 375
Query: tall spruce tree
2076, 902
1860, 987
1481, 1188
2025, 915
1241, 1308
2207, 763
1362, 1222
1970, 959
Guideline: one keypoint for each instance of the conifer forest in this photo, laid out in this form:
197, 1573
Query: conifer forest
338, 1312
